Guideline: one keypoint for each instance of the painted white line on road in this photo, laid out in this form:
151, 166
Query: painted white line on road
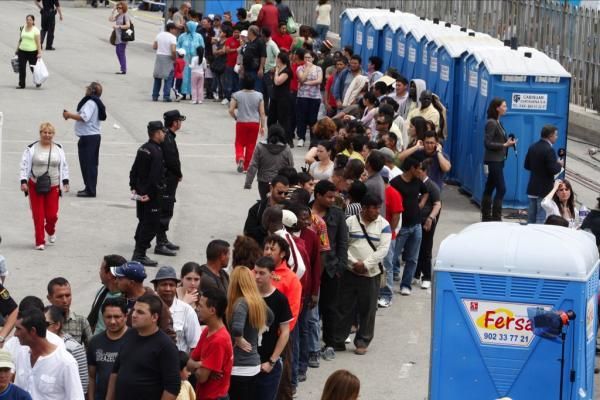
405, 369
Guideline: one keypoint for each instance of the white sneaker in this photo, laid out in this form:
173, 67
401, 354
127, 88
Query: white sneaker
426, 285
348, 340
178, 97
225, 102
405, 291
300, 143
40, 247
193, 102
384, 303
52, 238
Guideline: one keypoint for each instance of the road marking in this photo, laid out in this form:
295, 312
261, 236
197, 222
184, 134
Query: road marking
405, 369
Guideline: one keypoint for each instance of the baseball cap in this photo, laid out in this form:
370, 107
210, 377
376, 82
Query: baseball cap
165, 273
181, 52
6, 360
288, 218
244, 33
173, 115
131, 270
388, 80
387, 153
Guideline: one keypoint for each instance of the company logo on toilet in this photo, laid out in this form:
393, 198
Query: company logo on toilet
500, 323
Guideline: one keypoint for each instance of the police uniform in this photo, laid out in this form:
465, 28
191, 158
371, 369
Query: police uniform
147, 178
7, 306
172, 176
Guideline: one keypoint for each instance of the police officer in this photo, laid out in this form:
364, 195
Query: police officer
146, 180
173, 176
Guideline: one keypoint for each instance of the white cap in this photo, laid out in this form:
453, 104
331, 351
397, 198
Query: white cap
244, 33
181, 52
288, 218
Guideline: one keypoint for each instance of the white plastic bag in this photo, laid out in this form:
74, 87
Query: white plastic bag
40, 72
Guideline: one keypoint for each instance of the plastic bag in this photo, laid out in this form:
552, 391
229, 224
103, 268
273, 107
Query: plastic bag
40, 72
14, 62
291, 25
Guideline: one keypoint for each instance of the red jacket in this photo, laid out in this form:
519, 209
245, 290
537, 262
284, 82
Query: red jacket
284, 42
268, 16
179, 67
312, 244
286, 281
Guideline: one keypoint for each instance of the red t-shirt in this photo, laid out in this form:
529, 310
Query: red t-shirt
268, 16
328, 89
284, 42
393, 205
294, 81
232, 43
179, 67
215, 352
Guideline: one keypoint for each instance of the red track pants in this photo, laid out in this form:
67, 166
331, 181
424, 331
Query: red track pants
246, 134
44, 209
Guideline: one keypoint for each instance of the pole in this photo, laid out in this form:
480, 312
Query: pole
563, 336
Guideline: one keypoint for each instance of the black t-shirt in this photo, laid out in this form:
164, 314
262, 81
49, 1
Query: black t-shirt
252, 53
592, 223
147, 365
410, 192
7, 304
281, 92
434, 196
280, 307
102, 353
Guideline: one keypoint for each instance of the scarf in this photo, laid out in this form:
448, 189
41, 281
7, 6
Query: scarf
99, 103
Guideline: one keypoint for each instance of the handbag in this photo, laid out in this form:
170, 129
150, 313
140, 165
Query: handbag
42, 183
382, 279
14, 62
128, 35
291, 25
113, 38
40, 72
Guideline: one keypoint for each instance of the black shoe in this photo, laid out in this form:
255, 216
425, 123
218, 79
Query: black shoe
38, 85
301, 376
20, 87
50, 48
144, 260
339, 347
83, 193
171, 246
163, 250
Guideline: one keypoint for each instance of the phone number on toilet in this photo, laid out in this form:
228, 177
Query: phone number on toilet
504, 337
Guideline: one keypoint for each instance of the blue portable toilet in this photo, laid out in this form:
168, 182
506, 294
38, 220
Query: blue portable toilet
387, 49
399, 58
536, 89
374, 36
347, 19
487, 279
429, 56
360, 32
449, 86
413, 43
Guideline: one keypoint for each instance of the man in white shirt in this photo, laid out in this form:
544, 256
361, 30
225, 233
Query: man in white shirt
165, 45
185, 320
45, 370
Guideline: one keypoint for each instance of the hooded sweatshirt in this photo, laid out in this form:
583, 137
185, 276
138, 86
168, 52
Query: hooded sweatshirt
409, 105
268, 158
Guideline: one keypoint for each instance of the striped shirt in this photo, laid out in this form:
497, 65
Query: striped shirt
380, 234
78, 353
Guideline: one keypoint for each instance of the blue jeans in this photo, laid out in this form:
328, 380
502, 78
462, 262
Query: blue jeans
387, 292
304, 338
535, 212
307, 111
295, 338
267, 384
166, 88
231, 82
408, 243
322, 31
314, 331
257, 81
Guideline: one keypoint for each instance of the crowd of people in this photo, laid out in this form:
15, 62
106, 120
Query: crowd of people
320, 251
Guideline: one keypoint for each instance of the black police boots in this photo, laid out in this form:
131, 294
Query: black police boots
141, 257
486, 208
497, 210
162, 240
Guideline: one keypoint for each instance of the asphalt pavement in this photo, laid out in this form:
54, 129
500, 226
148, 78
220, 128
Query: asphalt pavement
211, 200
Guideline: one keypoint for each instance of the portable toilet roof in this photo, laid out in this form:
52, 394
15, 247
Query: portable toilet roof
352, 13
552, 66
501, 62
457, 45
418, 30
367, 14
536, 251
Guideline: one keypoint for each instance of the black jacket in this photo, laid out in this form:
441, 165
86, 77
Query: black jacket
542, 161
336, 259
147, 172
171, 156
494, 140
592, 223
253, 226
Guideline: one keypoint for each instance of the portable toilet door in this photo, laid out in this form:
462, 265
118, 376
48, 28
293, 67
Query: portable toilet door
387, 48
373, 34
347, 20
536, 91
400, 48
413, 50
359, 32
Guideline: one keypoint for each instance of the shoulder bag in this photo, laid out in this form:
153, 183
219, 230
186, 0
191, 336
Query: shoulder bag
128, 35
382, 276
42, 183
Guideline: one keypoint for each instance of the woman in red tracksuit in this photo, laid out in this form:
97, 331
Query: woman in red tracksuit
41, 157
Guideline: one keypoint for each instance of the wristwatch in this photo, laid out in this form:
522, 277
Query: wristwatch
272, 363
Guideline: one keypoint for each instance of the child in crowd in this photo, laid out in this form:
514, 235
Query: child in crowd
187, 391
198, 68
178, 74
